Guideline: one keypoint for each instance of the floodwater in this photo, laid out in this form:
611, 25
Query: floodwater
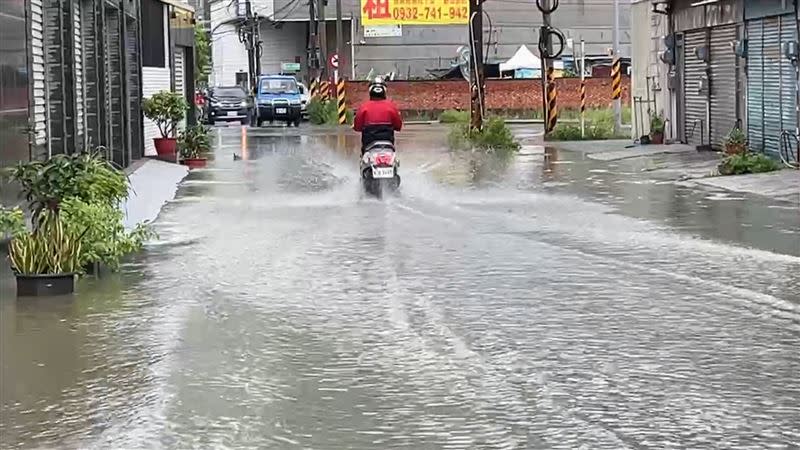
536, 303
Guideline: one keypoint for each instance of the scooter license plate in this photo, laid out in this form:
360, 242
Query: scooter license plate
280, 110
382, 172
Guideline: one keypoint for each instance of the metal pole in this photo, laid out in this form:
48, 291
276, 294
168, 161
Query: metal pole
476, 54
312, 43
322, 35
617, 102
583, 88
545, 5
340, 39
257, 45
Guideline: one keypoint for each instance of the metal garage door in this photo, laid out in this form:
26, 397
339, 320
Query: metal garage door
60, 77
114, 86
695, 101
723, 83
132, 50
771, 82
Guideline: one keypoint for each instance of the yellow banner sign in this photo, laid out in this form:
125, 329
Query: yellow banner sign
414, 12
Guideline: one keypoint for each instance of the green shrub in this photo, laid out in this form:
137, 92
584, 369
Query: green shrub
454, 116
565, 132
194, 141
165, 109
104, 238
12, 222
49, 249
496, 136
324, 112
86, 176
747, 162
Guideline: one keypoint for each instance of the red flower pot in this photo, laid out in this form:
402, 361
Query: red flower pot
165, 146
195, 163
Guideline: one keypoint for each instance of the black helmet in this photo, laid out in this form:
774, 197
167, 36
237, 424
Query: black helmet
377, 88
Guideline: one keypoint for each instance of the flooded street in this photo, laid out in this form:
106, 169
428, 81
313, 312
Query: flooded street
544, 302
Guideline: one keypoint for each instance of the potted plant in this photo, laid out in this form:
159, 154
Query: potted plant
165, 109
736, 142
657, 129
193, 142
46, 260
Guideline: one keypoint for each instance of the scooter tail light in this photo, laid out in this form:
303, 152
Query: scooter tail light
384, 159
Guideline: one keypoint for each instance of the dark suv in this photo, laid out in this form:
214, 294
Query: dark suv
230, 103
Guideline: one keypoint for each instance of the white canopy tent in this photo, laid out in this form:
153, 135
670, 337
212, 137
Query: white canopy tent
525, 59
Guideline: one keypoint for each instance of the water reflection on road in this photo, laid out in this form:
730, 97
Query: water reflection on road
542, 301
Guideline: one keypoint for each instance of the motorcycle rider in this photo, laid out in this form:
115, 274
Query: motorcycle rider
378, 118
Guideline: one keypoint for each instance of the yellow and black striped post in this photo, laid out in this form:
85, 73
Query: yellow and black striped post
341, 101
552, 100
583, 96
325, 93
314, 89
616, 79
583, 106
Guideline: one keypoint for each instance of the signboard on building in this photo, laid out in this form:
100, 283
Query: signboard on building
290, 67
414, 12
382, 31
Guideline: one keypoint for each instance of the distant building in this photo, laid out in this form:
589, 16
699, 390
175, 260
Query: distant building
723, 64
406, 51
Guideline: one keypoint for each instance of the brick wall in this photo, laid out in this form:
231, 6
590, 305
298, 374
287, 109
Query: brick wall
500, 94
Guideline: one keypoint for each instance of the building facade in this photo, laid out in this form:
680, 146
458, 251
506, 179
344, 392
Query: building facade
407, 51
73, 77
711, 66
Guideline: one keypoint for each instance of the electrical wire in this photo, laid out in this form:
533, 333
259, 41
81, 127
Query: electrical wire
488, 41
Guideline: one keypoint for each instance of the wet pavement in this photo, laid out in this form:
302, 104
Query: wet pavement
548, 301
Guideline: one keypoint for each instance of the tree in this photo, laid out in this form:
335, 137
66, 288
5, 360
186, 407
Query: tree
202, 58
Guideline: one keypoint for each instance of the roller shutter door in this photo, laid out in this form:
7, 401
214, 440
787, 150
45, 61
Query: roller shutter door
723, 82
133, 51
79, 76
114, 86
39, 100
694, 100
771, 82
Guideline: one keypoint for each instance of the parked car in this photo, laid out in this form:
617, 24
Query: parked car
305, 97
279, 99
230, 103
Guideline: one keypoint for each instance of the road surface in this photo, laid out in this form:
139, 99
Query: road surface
545, 302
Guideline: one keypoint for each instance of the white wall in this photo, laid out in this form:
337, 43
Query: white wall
228, 54
155, 79
647, 31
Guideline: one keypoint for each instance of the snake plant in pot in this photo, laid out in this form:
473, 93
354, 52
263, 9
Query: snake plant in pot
46, 260
166, 109
194, 143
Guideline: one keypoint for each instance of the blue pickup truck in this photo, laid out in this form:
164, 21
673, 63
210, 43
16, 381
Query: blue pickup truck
278, 99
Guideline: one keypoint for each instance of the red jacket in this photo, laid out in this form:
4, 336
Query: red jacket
378, 112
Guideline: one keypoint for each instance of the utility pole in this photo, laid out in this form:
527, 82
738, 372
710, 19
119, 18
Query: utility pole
257, 47
615, 57
477, 94
313, 47
340, 39
322, 33
546, 44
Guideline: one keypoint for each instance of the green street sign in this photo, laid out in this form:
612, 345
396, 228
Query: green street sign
290, 67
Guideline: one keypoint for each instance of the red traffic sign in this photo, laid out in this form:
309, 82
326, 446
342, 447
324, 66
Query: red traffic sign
334, 61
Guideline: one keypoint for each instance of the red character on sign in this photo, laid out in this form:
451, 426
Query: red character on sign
377, 9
